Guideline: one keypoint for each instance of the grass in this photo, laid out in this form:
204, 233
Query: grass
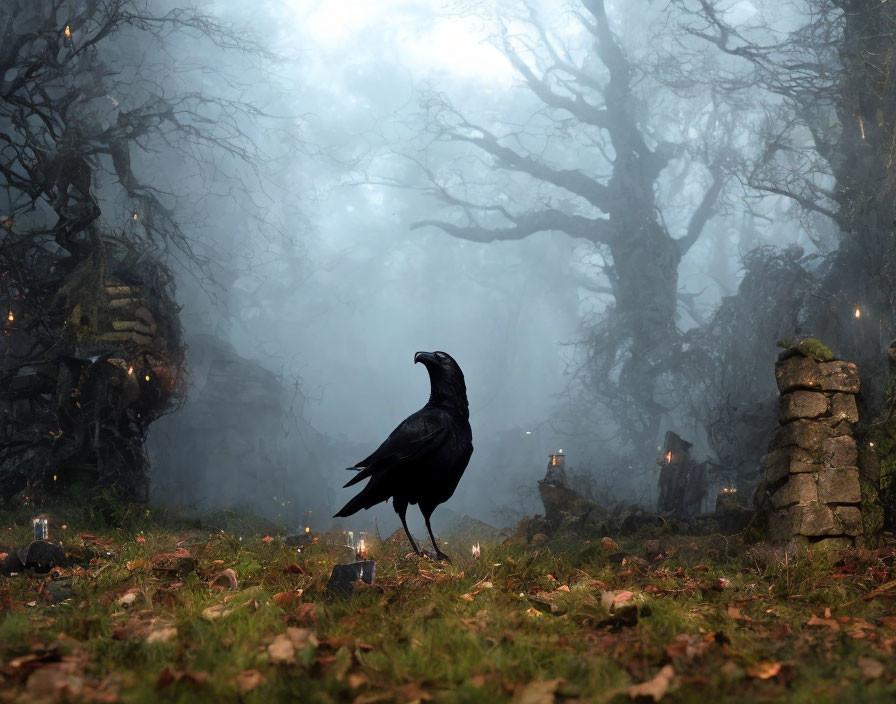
519, 624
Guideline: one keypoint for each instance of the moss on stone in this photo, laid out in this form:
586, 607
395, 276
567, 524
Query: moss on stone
816, 349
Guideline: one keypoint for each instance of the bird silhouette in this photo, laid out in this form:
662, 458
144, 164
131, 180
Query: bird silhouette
423, 459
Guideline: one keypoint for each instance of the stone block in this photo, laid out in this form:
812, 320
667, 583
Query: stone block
783, 461
847, 520
839, 486
807, 434
802, 404
797, 373
843, 407
812, 519
839, 452
839, 376
799, 489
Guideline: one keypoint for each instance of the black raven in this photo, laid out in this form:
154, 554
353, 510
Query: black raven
423, 459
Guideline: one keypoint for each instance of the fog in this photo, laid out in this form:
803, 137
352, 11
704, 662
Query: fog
324, 286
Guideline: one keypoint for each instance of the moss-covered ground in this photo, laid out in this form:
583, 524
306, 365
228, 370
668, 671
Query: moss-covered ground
155, 615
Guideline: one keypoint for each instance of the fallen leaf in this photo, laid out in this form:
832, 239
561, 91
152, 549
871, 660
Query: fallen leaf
609, 544
829, 622
141, 539
284, 599
466, 597
871, 668
656, 687
162, 635
248, 680
225, 580
356, 679
764, 670
538, 692
281, 650
216, 611
301, 637
294, 569
267, 539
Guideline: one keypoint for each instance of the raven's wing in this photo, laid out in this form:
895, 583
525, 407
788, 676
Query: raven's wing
416, 436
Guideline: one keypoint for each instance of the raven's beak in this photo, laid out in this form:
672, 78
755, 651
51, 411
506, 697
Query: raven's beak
424, 357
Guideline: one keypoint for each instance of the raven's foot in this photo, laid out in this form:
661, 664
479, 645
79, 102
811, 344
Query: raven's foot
440, 556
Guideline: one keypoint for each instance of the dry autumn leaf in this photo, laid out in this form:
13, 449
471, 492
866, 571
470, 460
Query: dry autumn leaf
282, 650
871, 668
764, 670
248, 680
538, 692
655, 687
829, 622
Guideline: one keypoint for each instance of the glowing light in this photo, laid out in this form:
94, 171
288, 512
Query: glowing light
870, 444
10, 317
476, 551
136, 216
146, 377
528, 432
54, 477
130, 370
307, 529
858, 312
362, 549
68, 32
669, 457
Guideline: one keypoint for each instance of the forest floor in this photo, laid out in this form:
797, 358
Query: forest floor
194, 615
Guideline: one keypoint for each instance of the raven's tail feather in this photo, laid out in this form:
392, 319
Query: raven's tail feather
363, 474
368, 497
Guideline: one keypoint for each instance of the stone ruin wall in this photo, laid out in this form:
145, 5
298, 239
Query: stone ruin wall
810, 469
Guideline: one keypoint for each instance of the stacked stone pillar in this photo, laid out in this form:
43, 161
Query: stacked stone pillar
810, 469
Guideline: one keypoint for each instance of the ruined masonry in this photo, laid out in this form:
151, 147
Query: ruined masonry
810, 469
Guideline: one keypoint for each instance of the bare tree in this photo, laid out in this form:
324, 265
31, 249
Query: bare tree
590, 163
91, 351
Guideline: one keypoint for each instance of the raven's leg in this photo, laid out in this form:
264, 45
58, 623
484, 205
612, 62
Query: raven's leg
427, 512
401, 508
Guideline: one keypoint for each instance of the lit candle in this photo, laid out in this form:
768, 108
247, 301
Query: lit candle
475, 549
362, 549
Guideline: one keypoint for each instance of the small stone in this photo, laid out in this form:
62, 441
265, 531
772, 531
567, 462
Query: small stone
783, 461
839, 452
802, 404
839, 486
843, 407
812, 519
807, 434
847, 520
797, 373
839, 376
799, 489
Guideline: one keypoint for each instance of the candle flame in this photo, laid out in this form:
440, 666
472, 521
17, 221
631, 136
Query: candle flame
136, 216
130, 370
475, 549
858, 312
307, 529
11, 317
362, 549
669, 457
146, 377
68, 32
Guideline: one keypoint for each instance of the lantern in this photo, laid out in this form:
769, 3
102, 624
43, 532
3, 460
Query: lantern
558, 459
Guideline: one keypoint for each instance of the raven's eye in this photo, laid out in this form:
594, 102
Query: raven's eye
440, 355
